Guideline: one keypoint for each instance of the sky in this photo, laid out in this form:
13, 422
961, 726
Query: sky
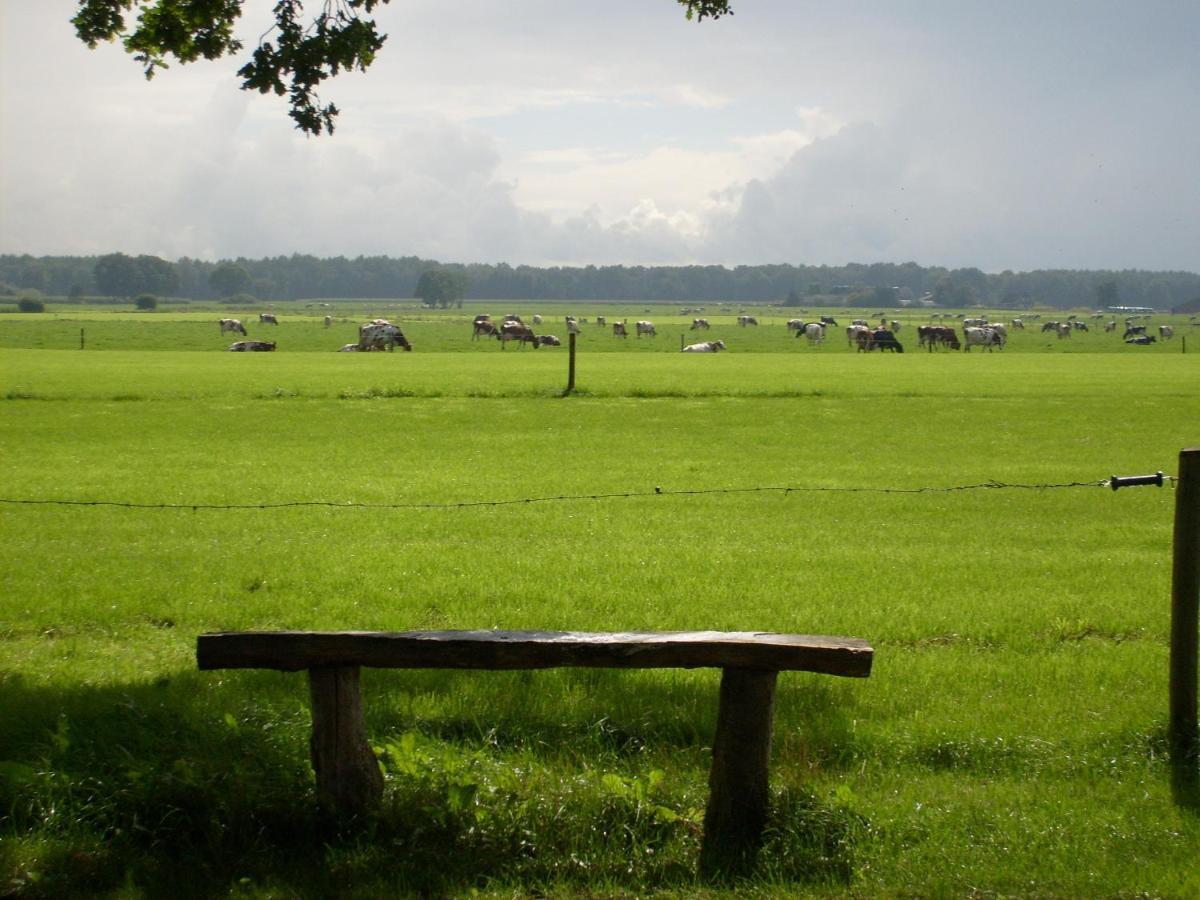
1060, 134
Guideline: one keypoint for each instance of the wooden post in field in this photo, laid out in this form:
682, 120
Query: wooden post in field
737, 784
1185, 599
348, 778
80, 338
571, 362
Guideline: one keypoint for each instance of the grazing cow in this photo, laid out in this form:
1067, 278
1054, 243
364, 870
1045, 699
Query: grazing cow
975, 322
1064, 330
619, 330
746, 320
1001, 333
896, 326
1018, 324
1140, 339
976, 336
883, 339
380, 334
267, 319
1050, 326
796, 325
829, 320
706, 347
548, 340
537, 320
601, 321
328, 321
484, 326
644, 327
858, 336
573, 326
513, 330
1110, 325
933, 336
1133, 330
232, 325
815, 332
251, 346
1079, 326
701, 324
1166, 332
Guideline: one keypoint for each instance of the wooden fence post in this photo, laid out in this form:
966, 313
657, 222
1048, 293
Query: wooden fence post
1185, 599
571, 362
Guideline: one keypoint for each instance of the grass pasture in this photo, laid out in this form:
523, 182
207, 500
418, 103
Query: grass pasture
302, 329
1009, 742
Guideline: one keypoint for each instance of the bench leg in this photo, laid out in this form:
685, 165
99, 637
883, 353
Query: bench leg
737, 784
348, 778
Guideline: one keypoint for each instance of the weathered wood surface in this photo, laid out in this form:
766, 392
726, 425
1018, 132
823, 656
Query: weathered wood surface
349, 782
738, 786
295, 650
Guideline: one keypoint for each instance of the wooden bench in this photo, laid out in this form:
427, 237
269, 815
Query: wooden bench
349, 781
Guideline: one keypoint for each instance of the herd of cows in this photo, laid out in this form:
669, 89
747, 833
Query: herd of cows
379, 334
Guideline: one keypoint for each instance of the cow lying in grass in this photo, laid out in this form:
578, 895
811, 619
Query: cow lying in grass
705, 347
251, 346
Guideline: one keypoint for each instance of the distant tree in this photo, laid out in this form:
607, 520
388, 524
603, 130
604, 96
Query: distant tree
117, 275
884, 297
1107, 294
228, 278
146, 302
793, 298
156, 276
441, 287
75, 293
304, 51
29, 305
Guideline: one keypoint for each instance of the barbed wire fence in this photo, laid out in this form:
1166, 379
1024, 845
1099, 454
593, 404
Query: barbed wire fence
1113, 482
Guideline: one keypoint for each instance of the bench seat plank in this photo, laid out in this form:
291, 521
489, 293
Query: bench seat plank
295, 650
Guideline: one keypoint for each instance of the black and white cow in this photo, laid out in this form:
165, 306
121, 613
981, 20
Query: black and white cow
251, 346
234, 325
705, 347
381, 334
267, 319
987, 338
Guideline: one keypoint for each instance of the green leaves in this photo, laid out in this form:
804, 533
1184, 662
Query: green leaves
303, 56
185, 29
706, 9
302, 53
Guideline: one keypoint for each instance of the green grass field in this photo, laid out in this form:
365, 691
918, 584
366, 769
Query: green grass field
1010, 741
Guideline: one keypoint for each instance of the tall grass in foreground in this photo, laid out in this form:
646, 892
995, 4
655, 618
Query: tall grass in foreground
1010, 740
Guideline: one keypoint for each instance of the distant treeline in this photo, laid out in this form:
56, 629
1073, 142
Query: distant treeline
300, 277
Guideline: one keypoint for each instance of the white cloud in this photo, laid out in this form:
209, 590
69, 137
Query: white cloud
543, 132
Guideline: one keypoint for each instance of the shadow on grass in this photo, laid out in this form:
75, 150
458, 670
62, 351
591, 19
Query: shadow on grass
199, 784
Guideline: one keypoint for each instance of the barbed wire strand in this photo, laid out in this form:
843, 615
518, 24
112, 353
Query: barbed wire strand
569, 498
